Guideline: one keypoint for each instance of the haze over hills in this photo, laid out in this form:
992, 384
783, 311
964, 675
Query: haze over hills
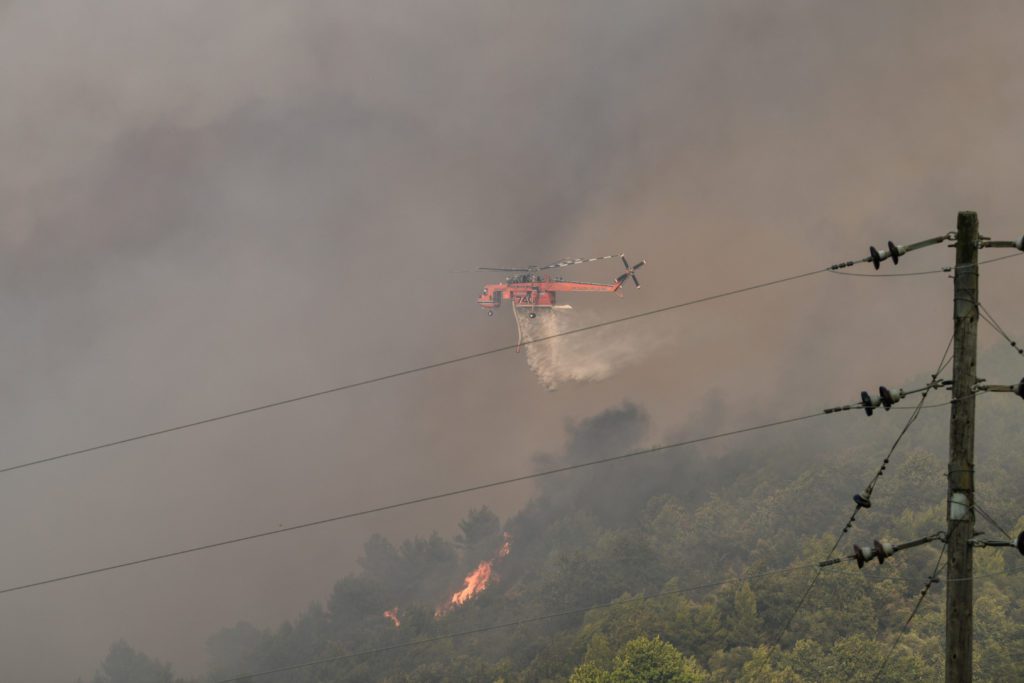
210, 206
660, 546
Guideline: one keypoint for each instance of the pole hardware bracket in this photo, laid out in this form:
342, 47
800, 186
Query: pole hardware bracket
1016, 389
1017, 543
1017, 244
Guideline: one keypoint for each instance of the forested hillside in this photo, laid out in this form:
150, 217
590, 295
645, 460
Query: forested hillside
675, 555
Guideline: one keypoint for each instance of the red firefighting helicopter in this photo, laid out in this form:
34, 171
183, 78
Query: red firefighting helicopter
528, 289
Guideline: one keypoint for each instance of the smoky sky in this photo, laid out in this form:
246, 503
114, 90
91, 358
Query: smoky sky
208, 206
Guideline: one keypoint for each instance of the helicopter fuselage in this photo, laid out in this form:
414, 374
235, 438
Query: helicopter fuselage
535, 291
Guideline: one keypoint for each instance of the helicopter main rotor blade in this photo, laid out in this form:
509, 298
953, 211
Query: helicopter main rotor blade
558, 264
576, 261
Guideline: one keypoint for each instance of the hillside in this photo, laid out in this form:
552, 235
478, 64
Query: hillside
659, 547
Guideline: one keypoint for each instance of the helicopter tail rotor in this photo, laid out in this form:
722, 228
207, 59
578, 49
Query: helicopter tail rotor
630, 272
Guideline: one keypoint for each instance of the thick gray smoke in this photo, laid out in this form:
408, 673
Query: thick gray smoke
578, 358
208, 206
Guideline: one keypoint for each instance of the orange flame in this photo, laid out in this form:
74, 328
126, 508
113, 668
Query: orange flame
392, 614
477, 580
475, 583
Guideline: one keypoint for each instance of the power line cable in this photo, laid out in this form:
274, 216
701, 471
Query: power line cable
944, 269
470, 489
943, 363
424, 499
450, 361
518, 622
402, 373
414, 501
930, 405
985, 315
869, 489
933, 578
1012, 570
992, 520
947, 269
1000, 258
792, 615
1003, 572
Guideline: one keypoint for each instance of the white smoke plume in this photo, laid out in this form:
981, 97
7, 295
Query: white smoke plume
590, 357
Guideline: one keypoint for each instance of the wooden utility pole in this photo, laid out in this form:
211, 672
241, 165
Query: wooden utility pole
960, 504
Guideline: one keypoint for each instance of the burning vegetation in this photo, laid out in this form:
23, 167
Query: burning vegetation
392, 614
476, 581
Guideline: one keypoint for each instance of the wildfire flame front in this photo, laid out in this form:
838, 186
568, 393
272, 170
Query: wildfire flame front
477, 580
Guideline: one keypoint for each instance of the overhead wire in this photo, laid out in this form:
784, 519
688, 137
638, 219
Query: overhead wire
933, 578
411, 502
930, 405
423, 368
985, 315
518, 622
947, 269
401, 373
424, 499
440, 364
992, 520
1000, 258
943, 363
944, 269
975, 577
792, 615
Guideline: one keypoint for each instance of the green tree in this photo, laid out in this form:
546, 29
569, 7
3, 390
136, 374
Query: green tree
231, 649
478, 526
599, 652
590, 673
644, 660
744, 624
124, 664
